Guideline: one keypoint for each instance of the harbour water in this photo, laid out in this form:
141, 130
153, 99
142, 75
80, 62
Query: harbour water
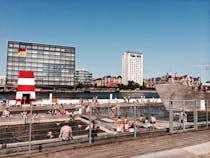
78, 95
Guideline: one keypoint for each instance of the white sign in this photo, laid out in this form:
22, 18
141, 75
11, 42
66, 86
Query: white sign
202, 104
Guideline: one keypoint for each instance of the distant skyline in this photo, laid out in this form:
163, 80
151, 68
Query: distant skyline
173, 35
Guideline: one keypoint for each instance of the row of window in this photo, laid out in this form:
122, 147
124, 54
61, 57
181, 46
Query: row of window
47, 83
46, 79
44, 74
42, 47
66, 64
15, 51
16, 69
45, 57
89, 76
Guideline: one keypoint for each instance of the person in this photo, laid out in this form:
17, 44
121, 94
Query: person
62, 109
128, 99
152, 121
52, 109
182, 118
6, 113
36, 117
65, 132
132, 126
95, 105
146, 123
119, 124
116, 110
94, 130
25, 116
50, 134
125, 123
70, 114
141, 118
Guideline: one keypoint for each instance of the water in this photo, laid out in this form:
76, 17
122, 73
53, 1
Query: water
20, 133
78, 95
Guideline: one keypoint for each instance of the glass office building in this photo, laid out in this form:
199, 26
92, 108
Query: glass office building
53, 65
83, 77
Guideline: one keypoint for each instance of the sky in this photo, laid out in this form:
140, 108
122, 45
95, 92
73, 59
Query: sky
173, 35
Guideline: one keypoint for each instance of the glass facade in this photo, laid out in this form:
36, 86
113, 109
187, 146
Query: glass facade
83, 77
53, 66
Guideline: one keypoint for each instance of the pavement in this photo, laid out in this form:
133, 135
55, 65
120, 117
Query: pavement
199, 150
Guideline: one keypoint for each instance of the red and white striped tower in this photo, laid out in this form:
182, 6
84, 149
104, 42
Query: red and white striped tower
25, 88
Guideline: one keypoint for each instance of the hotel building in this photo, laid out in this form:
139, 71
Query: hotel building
132, 67
53, 65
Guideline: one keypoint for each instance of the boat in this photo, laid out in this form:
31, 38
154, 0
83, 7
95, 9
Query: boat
183, 93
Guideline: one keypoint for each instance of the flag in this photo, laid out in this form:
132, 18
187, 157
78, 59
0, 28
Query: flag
22, 52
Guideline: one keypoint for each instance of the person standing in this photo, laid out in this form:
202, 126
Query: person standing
94, 130
182, 119
119, 124
153, 121
6, 113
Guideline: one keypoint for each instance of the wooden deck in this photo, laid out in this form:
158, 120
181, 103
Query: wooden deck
126, 147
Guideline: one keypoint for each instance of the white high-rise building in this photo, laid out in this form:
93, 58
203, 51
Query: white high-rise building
132, 67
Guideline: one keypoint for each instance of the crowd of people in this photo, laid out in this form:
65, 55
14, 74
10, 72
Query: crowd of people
123, 124
85, 106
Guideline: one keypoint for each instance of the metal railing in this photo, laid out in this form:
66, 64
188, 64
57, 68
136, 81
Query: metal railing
188, 115
115, 121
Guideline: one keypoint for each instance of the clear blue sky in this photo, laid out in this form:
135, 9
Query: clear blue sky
173, 35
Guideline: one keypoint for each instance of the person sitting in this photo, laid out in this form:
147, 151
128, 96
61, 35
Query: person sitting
141, 118
146, 123
132, 126
65, 132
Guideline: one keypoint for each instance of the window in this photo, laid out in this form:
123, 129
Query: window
46, 48
34, 51
52, 49
57, 53
10, 45
34, 47
40, 48
16, 45
57, 49
22, 46
28, 47
46, 52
